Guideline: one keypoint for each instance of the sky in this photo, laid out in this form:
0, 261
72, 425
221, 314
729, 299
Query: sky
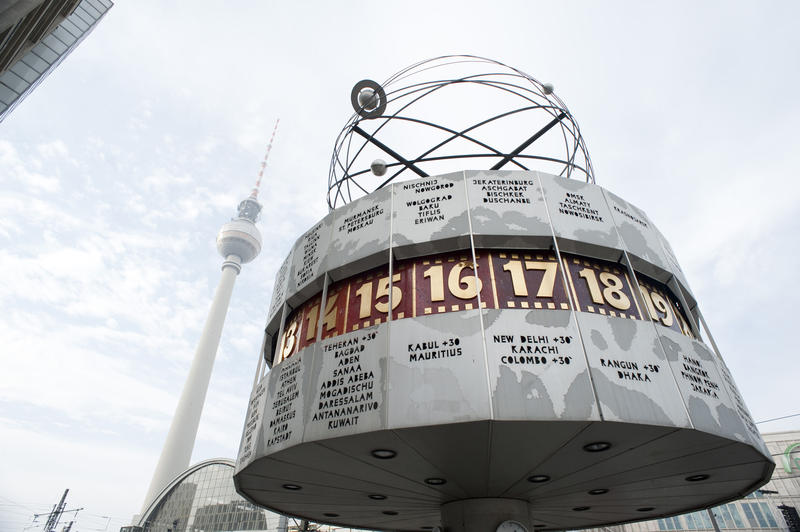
118, 170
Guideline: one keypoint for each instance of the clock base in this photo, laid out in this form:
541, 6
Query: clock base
486, 514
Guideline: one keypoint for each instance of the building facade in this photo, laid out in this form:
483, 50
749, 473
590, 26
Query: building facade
35, 37
773, 507
203, 499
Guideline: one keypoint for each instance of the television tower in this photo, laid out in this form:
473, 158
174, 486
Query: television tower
238, 242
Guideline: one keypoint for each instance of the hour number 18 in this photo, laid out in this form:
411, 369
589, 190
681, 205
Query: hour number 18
610, 294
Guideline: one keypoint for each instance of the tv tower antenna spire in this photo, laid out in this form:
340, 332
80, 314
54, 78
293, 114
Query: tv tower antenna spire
254, 193
250, 208
239, 242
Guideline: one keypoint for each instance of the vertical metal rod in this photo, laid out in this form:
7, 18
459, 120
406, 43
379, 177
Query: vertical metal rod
478, 294
713, 519
573, 301
261, 354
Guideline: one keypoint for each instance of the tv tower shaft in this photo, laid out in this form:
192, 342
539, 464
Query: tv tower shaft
239, 242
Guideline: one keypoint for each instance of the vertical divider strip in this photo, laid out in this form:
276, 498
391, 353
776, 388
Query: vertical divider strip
387, 349
639, 297
261, 354
483, 332
279, 344
679, 292
306, 395
570, 292
480, 306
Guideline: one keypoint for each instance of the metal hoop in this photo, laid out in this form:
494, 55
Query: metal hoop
368, 84
350, 175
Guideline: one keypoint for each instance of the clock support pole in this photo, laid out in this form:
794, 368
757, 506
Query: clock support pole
485, 514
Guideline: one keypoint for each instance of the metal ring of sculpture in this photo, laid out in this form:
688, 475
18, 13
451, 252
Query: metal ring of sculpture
362, 110
405, 103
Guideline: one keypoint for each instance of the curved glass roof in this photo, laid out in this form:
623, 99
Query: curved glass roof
206, 500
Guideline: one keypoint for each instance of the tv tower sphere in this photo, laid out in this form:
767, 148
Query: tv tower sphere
240, 236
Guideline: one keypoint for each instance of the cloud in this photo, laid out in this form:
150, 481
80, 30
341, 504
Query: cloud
53, 149
117, 174
22, 175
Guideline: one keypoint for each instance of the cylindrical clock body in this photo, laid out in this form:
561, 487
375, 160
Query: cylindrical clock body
491, 334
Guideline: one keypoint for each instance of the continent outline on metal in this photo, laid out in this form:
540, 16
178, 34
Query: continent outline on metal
533, 310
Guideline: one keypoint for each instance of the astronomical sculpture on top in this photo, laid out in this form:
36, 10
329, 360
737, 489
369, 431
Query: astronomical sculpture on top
512, 348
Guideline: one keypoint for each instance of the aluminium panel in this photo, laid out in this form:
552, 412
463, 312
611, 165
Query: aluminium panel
308, 256
429, 215
741, 408
580, 216
252, 425
507, 210
346, 384
437, 370
701, 385
675, 269
639, 237
631, 374
360, 236
537, 367
279, 293
282, 421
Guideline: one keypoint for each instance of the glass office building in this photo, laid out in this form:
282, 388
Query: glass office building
773, 507
24, 73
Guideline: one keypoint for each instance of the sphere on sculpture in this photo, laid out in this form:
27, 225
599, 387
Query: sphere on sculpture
367, 99
378, 167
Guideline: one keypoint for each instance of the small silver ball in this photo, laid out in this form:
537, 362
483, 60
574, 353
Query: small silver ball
378, 167
367, 99
548, 88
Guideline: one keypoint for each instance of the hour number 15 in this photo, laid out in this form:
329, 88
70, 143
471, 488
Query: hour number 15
365, 297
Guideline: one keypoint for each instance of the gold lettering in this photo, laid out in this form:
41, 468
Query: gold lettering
549, 278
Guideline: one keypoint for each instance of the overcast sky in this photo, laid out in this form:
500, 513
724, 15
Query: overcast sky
118, 170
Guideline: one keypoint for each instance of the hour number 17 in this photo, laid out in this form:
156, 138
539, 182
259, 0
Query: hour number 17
514, 267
